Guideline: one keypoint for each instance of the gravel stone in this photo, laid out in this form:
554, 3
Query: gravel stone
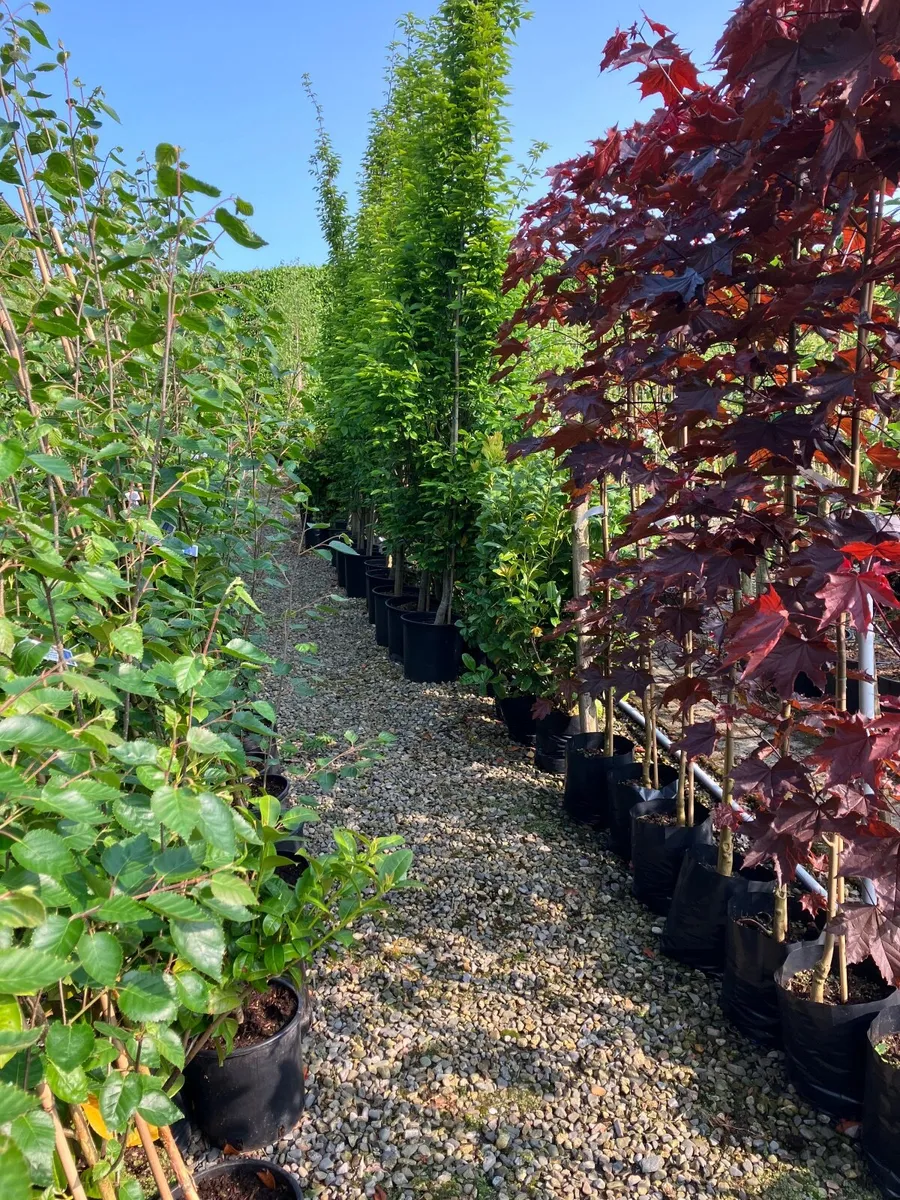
511, 1026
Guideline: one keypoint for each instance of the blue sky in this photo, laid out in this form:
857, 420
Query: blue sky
223, 79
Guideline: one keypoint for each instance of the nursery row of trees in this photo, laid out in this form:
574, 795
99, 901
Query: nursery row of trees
150, 438
707, 301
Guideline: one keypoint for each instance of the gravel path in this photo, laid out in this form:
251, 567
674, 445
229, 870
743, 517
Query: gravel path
511, 1031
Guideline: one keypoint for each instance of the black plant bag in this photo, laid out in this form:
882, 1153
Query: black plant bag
657, 851
628, 792
881, 1111
825, 1044
749, 996
515, 711
551, 736
697, 917
591, 778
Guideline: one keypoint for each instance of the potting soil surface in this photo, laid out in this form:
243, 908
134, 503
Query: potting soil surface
265, 1014
510, 1030
247, 1184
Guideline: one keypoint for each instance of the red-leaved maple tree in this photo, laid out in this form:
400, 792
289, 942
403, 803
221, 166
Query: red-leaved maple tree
732, 268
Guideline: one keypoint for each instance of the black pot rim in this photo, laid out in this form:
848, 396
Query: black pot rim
276, 1037
235, 1164
788, 970
398, 601
425, 619
580, 742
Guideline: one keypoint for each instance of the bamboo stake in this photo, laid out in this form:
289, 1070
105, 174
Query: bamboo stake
70, 1170
89, 1150
587, 713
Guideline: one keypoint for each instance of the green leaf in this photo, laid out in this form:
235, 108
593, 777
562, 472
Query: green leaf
71, 1086
193, 991
231, 889
129, 677
122, 910
204, 741
101, 956
13, 1170
12, 455
14, 1102
241, 648
170, 1046
343, 548
137, 753
128, 639
21, 910
45, 853
172, 904
244, 207
238, 230
148, 996
69, 1045
35, 1136
53, 465
216, 823
33, 734
187, 672
13, 1040
58, 935
177, 809
157, 1108
119, 1098
201, 943
24, 971
142, 334
166, 155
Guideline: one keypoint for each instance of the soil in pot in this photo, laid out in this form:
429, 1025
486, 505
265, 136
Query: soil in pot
881, 1109
265, 1015
249, 1179
256, 1094
697, 919
592, 775
551, 736
431, 653
658, 844
825, 1043
272, 784
628, 792
515, 712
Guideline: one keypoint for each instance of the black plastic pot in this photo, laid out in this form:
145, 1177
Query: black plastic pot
396, 606
749, 996
315, 537
273, 784
294, 849
282, 1177
355, 576
591, 777
626, 794
431, 653
382, 595
698, 915
551, 736
881, 1108
339, 558
825, 1044
256, 1095
515, 712
375, 577
657, 851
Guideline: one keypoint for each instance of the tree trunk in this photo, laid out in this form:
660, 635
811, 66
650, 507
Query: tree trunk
587, 710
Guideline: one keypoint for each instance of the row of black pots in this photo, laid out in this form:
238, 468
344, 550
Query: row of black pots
721, 926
